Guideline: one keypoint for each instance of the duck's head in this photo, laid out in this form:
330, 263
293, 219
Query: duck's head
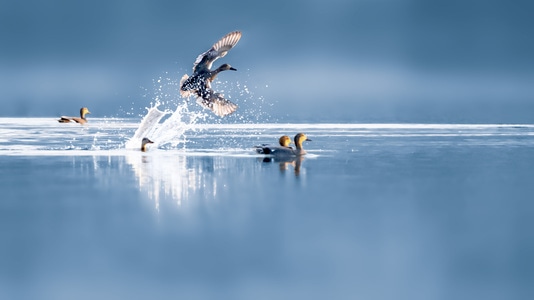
284, 141
300, 138
84, 111
226, 67
144, 142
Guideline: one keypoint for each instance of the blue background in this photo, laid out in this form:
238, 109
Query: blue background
324, 61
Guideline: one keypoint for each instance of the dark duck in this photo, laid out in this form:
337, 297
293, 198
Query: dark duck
199, 83
144, 143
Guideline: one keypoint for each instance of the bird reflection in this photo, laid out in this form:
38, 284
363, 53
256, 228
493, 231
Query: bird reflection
286, 163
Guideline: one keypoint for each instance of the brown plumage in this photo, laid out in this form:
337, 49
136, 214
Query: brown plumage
299, 139
81, 119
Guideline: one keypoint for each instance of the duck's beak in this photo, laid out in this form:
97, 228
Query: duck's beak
150, 142
233, 69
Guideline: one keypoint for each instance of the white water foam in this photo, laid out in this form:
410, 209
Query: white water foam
167, 134
166, 128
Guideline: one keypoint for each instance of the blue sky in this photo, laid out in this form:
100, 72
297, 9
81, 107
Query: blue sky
325, 61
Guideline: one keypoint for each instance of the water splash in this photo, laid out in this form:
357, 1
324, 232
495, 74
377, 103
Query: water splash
146, 128
172, 131
168, 128
166, 134
165, 127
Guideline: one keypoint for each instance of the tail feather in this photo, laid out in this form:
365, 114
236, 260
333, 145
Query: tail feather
64, 120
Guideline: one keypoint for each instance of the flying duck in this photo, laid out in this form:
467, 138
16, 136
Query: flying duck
199, 84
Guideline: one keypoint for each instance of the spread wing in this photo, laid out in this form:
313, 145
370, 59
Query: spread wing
218, 50
217, 104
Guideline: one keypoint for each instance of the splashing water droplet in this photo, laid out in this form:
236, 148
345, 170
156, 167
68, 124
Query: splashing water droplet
170, 117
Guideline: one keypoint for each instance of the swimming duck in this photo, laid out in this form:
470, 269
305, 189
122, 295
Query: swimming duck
288, 151
81, 119
144, 142
299, 139
199, 84
284, 142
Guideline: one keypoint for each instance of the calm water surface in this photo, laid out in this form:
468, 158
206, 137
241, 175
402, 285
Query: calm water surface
374, 211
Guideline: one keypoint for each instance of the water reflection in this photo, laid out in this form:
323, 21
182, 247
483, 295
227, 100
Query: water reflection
286, 163
172, 175
180, 177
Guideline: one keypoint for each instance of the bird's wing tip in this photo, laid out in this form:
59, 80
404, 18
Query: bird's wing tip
218, 105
